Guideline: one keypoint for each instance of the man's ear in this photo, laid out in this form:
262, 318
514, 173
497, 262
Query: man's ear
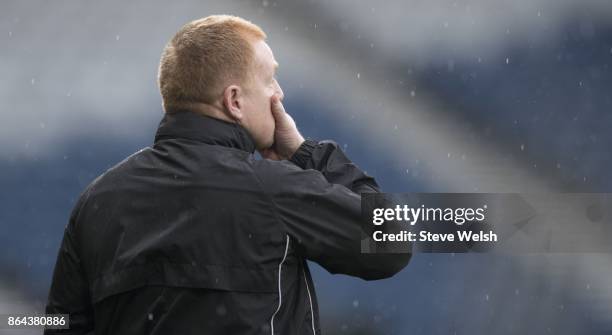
232, 100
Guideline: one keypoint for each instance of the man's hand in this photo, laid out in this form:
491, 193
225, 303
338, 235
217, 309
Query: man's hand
287, 139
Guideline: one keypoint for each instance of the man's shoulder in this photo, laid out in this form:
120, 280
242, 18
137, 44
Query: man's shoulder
111, 175
126, 162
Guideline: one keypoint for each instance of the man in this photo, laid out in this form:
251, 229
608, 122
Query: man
194, 235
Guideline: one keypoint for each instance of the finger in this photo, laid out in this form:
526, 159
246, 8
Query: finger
277, 105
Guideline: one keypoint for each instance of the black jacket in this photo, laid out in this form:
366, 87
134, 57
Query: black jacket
194, 235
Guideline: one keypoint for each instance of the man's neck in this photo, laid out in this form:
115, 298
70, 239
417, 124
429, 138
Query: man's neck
212, 110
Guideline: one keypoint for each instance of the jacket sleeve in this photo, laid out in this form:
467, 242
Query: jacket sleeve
69, 292
317, 197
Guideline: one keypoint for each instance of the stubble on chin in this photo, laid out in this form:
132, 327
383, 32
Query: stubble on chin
264, 143
269, 142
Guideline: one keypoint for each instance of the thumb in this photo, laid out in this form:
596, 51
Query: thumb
277, 106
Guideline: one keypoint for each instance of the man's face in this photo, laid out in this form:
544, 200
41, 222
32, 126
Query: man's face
258, 119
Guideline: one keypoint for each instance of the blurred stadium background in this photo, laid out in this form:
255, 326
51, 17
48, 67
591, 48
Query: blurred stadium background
446, 96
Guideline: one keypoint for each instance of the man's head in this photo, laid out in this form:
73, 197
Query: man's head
221, 66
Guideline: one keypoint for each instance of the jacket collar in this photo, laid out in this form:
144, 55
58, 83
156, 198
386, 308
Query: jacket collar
199, 127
